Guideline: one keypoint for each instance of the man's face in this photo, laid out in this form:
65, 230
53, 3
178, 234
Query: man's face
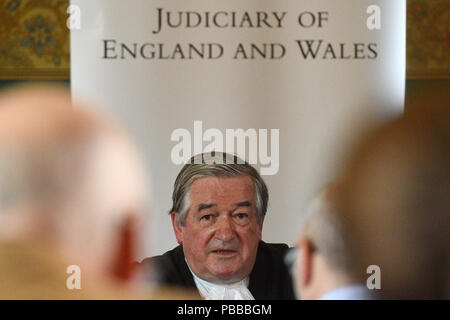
221, 235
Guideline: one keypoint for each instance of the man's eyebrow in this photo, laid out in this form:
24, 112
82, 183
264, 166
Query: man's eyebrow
205, 206
243, 204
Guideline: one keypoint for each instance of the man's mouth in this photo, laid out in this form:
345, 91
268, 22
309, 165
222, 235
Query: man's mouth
224, 252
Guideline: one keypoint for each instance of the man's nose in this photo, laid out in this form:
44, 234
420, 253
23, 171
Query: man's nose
225, 230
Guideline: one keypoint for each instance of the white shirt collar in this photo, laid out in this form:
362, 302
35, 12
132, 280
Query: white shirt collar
350, 292
212, 291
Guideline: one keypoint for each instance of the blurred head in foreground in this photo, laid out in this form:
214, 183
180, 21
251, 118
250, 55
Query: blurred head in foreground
323, 268
396, 202
71, 192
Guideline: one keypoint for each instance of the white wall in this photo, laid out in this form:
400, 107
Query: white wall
319, 105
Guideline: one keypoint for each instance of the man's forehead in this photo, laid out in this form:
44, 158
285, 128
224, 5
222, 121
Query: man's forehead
239, 188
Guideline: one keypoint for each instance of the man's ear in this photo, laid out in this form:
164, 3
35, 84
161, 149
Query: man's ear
177, 228
305, 261
123, 264
260, 228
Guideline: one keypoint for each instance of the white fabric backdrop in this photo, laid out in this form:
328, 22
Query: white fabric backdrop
319, 105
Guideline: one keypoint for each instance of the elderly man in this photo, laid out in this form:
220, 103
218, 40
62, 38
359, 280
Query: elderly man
323, 265
219, 204
71, 198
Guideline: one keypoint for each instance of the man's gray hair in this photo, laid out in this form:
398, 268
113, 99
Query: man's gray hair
215, 164
322, 226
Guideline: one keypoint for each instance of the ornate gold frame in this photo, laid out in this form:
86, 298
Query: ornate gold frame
428, 39
34, 40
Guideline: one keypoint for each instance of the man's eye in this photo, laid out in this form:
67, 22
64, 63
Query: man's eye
242, 215
206, 217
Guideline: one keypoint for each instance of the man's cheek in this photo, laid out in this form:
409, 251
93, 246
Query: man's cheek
205, 237
249, 233
200, 242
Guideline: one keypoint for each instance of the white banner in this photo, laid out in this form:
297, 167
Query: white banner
302, 79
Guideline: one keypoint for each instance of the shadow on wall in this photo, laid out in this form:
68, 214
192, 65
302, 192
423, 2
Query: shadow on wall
5, 84
420, 93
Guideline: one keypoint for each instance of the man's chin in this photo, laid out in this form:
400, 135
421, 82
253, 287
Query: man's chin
227, 276
227, 279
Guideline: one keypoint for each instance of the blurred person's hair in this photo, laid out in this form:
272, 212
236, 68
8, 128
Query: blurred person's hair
215, 164
395, 199
68, 177
322, 227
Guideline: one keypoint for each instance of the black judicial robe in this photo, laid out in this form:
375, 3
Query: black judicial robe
269, 279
